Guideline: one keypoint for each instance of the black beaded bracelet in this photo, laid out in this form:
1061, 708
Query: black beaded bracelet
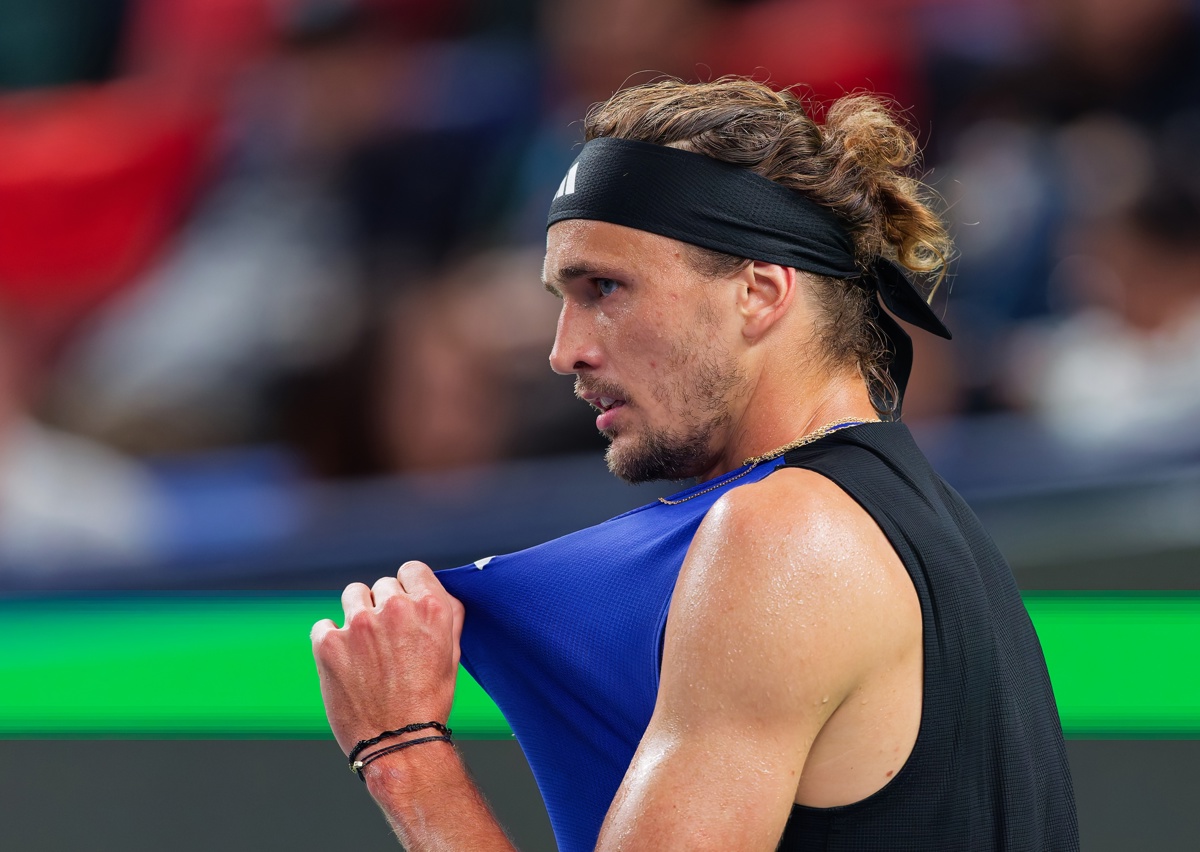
357, 766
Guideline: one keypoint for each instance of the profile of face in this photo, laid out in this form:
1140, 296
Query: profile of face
649, 343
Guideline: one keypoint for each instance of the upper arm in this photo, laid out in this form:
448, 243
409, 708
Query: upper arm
764, 641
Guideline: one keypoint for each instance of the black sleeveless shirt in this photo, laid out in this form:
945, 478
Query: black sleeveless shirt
989, 767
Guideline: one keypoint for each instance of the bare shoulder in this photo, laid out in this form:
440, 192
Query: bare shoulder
787, 497
795, 561
796, 523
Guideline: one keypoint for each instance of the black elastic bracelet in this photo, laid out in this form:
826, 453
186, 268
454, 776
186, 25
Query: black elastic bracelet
407, 729
358, 765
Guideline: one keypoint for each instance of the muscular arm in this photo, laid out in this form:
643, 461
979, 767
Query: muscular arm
787, 602
394, 663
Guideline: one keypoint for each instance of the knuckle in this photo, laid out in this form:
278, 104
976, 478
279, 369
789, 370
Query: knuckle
431, 606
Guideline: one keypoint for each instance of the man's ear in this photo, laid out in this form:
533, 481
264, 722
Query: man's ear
765, 295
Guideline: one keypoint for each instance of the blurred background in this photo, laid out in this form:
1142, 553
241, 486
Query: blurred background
270, 315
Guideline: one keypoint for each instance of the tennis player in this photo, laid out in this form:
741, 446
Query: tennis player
813, 646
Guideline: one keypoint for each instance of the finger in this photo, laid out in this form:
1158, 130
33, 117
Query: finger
416, 577
409, 573
320, 630
356, 598
384, 588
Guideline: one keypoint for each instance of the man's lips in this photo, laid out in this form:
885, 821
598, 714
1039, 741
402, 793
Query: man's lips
608, 406
602, 402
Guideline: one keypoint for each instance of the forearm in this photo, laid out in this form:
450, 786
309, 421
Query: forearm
432, 803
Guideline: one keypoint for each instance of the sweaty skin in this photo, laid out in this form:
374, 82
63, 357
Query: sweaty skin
791, 673
792, 668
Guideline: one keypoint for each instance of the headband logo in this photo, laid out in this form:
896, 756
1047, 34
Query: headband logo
568, 183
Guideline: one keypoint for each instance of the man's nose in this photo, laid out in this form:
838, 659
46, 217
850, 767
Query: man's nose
575, 348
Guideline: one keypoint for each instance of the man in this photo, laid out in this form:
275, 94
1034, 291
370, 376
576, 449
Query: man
814, 647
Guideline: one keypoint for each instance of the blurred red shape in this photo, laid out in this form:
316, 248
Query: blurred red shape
93, 180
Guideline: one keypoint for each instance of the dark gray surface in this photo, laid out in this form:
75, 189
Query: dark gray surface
234, 796
1137, 796
255, 796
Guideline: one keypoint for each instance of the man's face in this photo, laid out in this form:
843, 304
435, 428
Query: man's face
647, 339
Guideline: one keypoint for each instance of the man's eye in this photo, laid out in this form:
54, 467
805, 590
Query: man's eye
606, 286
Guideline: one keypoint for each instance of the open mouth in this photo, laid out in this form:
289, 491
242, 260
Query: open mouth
602, 402
606, 403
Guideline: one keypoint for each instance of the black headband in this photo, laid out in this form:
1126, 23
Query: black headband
716, 205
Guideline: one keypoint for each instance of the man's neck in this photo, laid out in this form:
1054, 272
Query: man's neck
767, 426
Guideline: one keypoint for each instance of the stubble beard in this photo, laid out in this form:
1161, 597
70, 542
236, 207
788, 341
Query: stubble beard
685, 453
660, 455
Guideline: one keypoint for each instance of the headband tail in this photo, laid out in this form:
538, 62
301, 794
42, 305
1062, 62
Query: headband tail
903, 299
899, 345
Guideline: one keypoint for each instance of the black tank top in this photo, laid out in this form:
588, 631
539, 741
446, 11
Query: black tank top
989, 768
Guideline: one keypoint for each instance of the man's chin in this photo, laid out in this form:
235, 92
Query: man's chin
625, 464
652, 462
631, 475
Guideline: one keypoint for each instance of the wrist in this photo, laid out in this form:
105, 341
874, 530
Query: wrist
402, 774
390, 744
430, 800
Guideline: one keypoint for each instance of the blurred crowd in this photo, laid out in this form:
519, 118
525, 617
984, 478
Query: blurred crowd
251, 244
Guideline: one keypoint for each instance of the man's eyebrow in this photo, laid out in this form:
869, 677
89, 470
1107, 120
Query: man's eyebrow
567, 273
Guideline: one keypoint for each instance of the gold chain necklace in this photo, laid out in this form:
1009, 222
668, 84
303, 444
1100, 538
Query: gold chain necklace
751, 463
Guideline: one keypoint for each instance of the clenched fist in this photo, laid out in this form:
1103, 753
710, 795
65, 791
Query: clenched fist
394, 661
